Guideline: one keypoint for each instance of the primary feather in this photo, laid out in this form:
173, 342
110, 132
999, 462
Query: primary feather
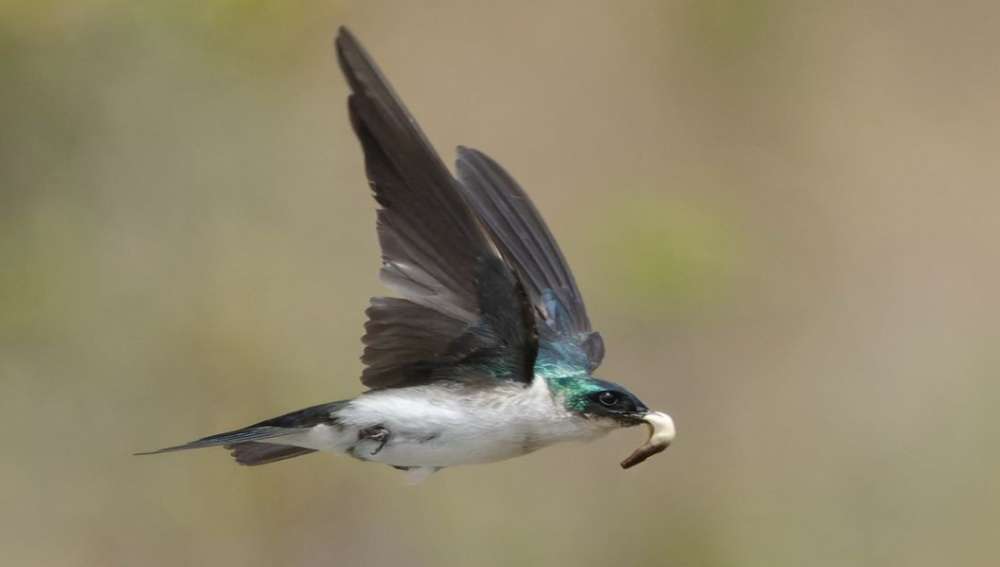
434, 252
567, 343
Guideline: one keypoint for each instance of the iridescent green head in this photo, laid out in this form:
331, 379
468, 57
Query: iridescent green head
593, 398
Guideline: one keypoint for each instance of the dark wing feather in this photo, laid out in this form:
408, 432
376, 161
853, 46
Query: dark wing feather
464, 305
406, 342
518, 229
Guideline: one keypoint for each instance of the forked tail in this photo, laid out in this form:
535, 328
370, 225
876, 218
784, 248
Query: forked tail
252, 446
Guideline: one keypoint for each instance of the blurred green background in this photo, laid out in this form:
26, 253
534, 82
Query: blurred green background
784, 215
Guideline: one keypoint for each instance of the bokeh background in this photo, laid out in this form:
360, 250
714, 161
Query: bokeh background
784, 215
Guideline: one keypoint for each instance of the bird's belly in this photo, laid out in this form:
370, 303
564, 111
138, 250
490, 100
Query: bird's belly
410, 428
447, 447
405, 429
422, 443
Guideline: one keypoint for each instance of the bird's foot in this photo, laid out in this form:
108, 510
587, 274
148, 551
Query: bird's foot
375, 433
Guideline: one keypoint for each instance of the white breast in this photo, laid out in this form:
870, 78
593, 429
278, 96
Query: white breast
434, 427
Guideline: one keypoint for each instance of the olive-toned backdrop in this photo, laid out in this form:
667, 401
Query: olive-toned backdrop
784, 215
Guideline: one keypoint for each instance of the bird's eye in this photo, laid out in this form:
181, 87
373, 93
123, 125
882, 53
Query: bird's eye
608, 398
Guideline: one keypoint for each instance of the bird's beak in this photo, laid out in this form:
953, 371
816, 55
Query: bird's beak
661, 434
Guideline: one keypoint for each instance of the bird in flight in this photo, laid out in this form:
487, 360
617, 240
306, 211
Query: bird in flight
489, 353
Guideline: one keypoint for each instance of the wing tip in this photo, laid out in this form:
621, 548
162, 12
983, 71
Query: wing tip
343, 35
351, 56
465, 153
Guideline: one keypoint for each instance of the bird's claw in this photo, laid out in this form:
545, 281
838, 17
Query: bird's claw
375, 433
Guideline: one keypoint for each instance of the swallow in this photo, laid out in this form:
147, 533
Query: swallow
488, 354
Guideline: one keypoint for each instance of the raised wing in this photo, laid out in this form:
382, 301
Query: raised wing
566, 342
465, 314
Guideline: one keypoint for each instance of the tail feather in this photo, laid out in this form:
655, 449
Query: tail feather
244, 442
229, 438
252, 454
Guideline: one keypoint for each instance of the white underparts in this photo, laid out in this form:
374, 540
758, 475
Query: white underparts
432, 427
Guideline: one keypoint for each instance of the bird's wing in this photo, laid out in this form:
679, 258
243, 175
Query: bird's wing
465, 313
566, 341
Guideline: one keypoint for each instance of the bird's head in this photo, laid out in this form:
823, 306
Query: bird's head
600, 400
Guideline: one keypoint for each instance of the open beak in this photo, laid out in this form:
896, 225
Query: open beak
661, 434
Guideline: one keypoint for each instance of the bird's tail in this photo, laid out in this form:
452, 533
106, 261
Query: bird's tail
252, 446
253, 454
245, 449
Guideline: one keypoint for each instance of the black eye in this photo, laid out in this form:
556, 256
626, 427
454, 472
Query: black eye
608, 398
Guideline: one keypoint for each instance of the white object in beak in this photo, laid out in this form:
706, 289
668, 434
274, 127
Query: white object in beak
661, 434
